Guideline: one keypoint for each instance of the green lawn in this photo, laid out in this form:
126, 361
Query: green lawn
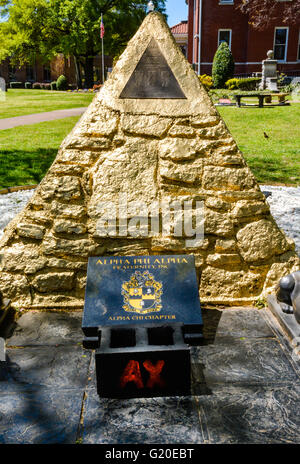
20, 102
275, 159
26, 152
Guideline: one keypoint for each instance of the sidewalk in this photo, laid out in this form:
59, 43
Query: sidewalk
9, 123
245, 387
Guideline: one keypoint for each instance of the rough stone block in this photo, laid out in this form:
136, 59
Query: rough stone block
15, 285
180, 173
153, 126
225, 246
218, 224
218, 178
32, 231
244, 208
213, 132
68, 188
230, 284
261, 240
99, 121
217, 203
67, 211
52, 282
81, 157
205, 121
89, 143
67, 169
69, 227
62, 247
220, 260
180, 130
178, 149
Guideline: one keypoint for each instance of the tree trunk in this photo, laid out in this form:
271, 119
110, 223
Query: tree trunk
89, 72
78, 72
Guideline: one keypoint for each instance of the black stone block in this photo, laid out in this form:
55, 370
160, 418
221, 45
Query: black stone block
139, 290
155, 362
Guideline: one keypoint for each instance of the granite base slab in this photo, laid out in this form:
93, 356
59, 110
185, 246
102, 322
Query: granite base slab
39, 415
245, 387
251, 414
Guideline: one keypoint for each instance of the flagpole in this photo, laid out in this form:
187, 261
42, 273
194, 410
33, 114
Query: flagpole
102, 52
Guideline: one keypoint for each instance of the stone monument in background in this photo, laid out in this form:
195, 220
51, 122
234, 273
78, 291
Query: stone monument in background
2, 89
151, 134
269, 73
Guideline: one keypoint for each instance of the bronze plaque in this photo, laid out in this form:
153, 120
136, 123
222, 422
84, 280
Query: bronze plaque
152, 77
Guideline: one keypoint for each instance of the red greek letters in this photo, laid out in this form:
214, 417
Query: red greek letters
132, 373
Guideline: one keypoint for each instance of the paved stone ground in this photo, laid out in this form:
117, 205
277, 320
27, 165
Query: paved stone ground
9, 123
245, 386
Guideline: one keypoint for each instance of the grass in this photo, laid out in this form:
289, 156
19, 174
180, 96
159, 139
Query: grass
27, 152
275, 159
19, 102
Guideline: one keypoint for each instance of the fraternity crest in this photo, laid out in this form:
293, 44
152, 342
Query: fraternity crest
142, 293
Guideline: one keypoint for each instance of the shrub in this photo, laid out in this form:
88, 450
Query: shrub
45, 86
61, 83
206, 81
248, 84
28, 85
53, 85
232, 84
223, 66
16, 85
36, 85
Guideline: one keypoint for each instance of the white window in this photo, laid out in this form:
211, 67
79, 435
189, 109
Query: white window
224, 2
280, 43
224, 35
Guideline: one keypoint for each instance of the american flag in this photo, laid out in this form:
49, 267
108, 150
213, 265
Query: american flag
102, 30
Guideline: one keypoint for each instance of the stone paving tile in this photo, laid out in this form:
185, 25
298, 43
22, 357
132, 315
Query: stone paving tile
237, 323
59, 367
139, 420
39, 415
251, 362
46, 328
251, 415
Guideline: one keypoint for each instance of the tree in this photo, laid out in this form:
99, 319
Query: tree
45, 28
223, 66
263, 12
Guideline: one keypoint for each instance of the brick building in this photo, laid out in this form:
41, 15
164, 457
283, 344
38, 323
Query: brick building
212, 21
180, 33
46, 73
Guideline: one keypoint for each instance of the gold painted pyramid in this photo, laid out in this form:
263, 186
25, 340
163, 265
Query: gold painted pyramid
153, 134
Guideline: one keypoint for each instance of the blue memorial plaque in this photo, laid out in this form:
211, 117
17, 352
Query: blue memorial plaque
141, 290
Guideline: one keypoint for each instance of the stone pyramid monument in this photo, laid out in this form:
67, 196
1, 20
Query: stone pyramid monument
153, 134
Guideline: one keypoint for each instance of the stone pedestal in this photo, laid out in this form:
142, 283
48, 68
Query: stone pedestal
269, 74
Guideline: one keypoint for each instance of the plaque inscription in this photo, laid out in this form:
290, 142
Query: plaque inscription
134, 290
152, 78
